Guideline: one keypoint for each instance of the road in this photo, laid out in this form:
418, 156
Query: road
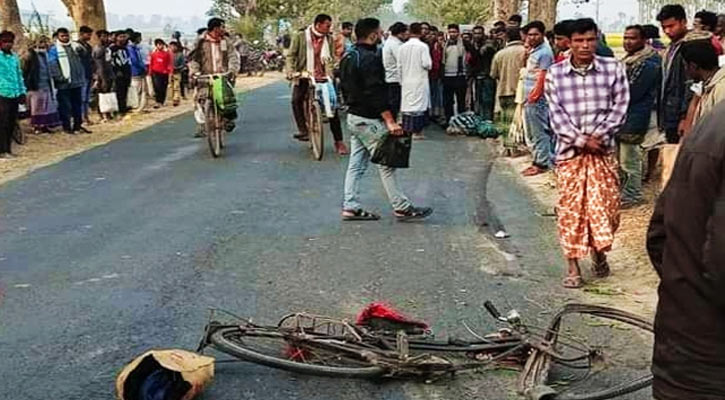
123, 248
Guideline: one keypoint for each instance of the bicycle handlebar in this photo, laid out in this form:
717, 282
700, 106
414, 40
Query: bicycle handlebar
492, 309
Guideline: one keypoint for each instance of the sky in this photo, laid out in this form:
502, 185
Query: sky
188, 8
175, 8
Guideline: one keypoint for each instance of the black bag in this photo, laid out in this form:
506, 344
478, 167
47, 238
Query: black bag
394, 152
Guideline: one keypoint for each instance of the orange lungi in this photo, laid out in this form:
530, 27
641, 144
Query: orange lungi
588, 207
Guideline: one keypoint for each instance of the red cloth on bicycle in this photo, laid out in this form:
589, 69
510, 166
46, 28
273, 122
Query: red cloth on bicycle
384, 311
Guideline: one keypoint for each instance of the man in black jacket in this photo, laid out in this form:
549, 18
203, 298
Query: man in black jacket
370, 121
686, 243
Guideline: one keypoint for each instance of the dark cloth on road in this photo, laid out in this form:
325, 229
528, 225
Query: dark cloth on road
686, 243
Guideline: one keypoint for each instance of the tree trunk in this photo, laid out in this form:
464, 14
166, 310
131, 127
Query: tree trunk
91, 13
503, 9
544, 11
10, 19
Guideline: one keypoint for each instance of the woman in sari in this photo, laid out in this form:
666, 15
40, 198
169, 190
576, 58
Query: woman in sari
41, 94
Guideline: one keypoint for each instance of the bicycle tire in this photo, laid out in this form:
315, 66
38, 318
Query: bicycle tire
317, 131
538, 366
220, 341
213, 133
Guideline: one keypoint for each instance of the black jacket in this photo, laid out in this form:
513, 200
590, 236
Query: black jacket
686, 243
675, 95
363, 81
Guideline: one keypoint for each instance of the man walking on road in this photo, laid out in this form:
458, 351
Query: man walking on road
398, 35
312, 52
69, 77
536, 112
588, 98
12, 92
644, 71
370, 121
414, 62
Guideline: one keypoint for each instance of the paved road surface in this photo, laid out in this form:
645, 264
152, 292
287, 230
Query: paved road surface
123, 248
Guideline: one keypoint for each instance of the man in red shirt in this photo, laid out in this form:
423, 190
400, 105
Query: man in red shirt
161, 67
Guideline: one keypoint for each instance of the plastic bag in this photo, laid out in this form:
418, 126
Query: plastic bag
165, 375
107, 103
393, 152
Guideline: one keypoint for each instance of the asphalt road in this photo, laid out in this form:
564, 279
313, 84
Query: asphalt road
123, 248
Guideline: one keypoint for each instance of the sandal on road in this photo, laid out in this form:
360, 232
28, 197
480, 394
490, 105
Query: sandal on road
359, 215
413, 213
572, 282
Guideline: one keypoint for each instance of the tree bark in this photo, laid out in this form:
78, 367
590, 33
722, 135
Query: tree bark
544, 11
503, 9
91, 13
10, 19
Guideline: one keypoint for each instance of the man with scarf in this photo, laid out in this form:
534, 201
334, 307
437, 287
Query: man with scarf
214, 53
312, 52
644, 72
454, 73
69, 77
588, 98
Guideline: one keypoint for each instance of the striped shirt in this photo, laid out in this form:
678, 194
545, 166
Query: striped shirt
586, 103
12, 84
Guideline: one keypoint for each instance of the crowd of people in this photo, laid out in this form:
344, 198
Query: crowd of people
58, 79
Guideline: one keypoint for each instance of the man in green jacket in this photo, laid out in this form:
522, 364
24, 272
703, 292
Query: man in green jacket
312, 53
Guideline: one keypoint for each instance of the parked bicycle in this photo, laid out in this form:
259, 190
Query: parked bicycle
558, 362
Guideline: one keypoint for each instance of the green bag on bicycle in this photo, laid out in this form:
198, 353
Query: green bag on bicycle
225, 98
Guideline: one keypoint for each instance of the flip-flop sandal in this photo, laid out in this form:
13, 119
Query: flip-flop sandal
360, 215
572, 282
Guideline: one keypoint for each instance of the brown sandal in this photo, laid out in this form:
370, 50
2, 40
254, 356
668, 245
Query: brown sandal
572, 282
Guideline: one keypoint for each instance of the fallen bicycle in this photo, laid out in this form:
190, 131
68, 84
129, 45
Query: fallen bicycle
383, 343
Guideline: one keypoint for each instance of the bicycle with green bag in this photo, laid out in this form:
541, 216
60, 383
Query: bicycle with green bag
218, 108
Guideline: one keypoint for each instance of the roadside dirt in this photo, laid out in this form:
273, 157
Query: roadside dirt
48, 149
633, 283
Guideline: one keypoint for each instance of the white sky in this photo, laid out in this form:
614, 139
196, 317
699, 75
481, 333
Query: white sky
174, 8
188, 8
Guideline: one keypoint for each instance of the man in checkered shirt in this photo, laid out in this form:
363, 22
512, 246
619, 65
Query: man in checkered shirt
588, 99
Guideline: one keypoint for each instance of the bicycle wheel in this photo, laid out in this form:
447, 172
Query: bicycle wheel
277, 349
213, 132
317, 141
597, 353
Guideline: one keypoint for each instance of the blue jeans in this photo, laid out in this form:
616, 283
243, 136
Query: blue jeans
70, 106
540, 138
365, 135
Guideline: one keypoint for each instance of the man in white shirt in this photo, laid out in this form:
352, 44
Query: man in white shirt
414, 62
398, 35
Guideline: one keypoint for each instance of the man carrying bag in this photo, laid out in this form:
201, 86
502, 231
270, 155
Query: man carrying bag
371, 124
